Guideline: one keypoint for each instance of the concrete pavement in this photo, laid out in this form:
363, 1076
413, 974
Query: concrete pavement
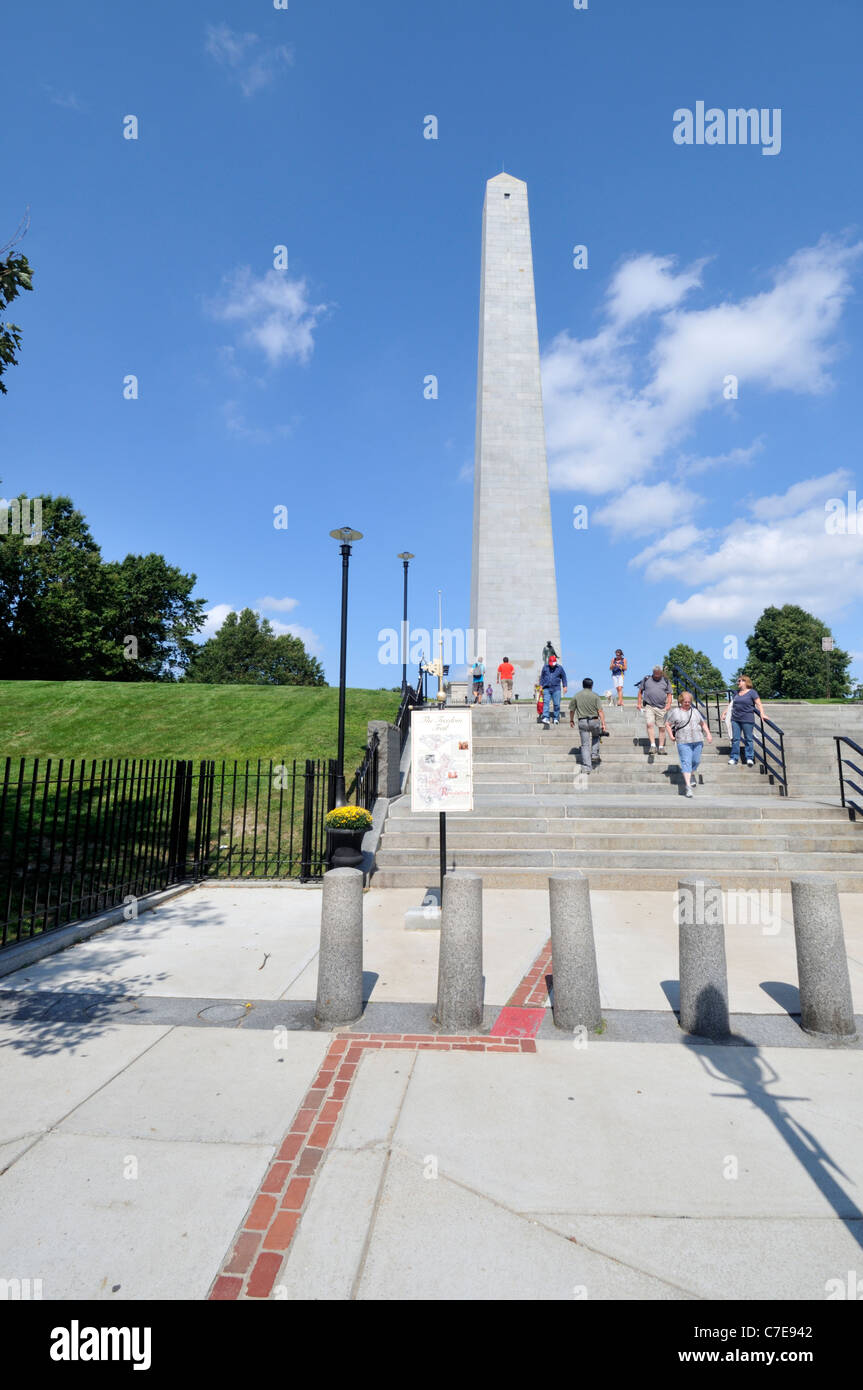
237, 1152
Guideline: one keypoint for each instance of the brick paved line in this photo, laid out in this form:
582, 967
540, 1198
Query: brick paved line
533, 990
258, 1251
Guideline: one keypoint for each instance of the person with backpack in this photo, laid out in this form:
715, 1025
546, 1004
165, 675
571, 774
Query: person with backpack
617, 667
478, 674
688, 729
654, 696
553, 681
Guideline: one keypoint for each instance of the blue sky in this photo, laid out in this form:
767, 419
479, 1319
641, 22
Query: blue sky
303, 388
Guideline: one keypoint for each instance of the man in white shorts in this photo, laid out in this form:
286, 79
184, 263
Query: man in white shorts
654, 696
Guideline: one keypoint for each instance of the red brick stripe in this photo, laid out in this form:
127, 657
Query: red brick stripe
253, 1263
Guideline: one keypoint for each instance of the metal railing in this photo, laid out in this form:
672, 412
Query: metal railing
705, 701
769, 750
366, 776
78, 837
853, 808
411, 699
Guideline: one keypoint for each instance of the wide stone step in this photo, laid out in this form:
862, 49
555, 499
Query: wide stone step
696, 843
684, 859
473, 823
663, 807
610, 879
605, 788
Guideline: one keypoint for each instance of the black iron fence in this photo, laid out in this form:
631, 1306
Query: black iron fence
78, 837
846, 766
366, 780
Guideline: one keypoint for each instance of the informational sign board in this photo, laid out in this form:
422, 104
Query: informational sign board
827, 644
441, 760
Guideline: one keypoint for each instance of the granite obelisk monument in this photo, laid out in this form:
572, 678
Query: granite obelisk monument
513, 584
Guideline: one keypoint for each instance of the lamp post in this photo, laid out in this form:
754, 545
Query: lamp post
405, 558
346, 536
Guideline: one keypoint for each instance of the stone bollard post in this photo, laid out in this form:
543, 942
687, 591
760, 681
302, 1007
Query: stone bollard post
703, 971
573, 953
826, 1006
459, 989
340, 962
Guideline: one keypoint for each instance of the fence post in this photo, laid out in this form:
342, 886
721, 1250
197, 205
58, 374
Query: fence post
573, 953
703, 972
181, 807
340, 959
826, 1006
204, 816
308, 821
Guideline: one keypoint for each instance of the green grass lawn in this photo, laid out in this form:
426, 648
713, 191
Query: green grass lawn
111, 719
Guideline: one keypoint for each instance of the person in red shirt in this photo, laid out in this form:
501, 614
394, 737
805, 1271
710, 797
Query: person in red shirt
505, 673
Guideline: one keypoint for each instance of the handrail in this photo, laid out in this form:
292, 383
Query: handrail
682, 680
852, 807
410, 700
780, 771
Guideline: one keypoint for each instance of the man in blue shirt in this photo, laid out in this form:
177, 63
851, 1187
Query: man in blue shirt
553, 681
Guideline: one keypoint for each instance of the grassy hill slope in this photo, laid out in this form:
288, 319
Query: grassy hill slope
110, 719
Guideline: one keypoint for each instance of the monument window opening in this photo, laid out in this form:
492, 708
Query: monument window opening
506, 195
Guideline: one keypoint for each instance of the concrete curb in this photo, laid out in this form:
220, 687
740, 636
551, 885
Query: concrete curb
26, 953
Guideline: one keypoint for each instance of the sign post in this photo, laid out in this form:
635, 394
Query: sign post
827, 645
441, 767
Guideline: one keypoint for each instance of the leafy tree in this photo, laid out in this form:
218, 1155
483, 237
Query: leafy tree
150, 601
696, 665
785, 659
246, 651
66, 615
15, 275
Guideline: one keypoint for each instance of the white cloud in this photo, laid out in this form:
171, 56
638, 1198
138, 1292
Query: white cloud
214, 618
216, 615
274, 312
781, 553
276, 605
735, 458
68, 100
801, 495
465, 473
681, 538
643, 508
615, 406
646, 284
310, 640
236, 423
247, 62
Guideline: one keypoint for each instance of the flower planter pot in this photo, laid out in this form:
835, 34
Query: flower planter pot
345, 850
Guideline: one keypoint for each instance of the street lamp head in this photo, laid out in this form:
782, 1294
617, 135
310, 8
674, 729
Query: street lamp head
346, 535
405, 555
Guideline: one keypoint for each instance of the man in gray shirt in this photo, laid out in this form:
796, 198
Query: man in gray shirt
654, 695
588, 708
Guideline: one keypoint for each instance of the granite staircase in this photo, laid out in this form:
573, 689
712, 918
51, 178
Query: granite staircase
629, 823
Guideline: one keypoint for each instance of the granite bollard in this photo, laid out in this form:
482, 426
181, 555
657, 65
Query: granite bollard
703, 971
573, 953
826, 1006
459, 990
340, 961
